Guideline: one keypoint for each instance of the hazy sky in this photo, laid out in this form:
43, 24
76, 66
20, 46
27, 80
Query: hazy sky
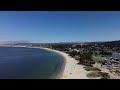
59, 26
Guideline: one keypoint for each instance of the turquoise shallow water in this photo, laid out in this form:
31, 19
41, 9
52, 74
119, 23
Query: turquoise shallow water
29, 63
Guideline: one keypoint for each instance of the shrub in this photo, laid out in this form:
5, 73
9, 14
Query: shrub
105, 53
104, 75
91, 68
102, 62
92, 62
93, 75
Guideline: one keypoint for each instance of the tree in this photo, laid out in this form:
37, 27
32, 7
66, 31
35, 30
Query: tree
73, 53
86, 59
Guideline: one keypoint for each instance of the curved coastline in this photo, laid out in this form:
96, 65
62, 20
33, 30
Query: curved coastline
59, 74
70, 70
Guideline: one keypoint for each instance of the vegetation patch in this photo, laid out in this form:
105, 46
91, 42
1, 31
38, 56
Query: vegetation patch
86, 59
104, 75
98, 60
105, 53
96, 74
88, 68
93, 75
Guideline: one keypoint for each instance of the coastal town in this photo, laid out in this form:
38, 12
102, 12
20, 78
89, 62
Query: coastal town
60, 45
95, 57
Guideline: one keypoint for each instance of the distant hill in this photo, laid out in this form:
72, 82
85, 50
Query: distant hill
13, 42
107, 43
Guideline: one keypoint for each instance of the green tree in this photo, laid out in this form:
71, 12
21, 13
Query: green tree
86, 59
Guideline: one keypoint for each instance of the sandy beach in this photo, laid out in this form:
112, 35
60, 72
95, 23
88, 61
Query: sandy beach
72, 70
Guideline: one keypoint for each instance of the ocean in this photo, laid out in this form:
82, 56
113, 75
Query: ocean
29, 63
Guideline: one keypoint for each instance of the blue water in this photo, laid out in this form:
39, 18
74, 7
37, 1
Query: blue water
28, 63
115, 55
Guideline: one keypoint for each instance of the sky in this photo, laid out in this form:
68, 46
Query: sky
59, 26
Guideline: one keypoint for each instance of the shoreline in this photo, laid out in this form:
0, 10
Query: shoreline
71, 70
59, 74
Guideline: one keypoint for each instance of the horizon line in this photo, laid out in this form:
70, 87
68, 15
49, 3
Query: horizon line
25, 41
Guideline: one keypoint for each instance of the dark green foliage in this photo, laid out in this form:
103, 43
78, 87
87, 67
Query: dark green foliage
95, 74
92, 62
96, 53
73, 53
104, 75
91, 68
86, 59
102, 62
105, 53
